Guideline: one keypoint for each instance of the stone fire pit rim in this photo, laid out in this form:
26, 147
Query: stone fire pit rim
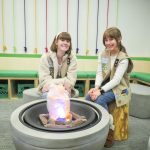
17, 125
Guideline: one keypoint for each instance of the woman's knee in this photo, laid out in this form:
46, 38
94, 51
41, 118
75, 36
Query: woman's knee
102, 102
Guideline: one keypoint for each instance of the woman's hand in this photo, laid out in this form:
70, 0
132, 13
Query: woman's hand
94, 94
93, 90
67, 86
45, 88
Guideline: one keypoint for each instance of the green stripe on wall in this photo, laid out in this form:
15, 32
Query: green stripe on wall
39, 55
87, 57
21, 55
79, 57
141, 58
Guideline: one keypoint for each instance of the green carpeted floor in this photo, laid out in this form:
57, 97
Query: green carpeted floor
139, 129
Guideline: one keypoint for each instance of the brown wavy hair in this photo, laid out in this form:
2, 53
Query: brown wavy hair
115, 33
61, 36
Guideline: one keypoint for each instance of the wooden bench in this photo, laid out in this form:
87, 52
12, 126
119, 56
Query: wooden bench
140, 77
10, 76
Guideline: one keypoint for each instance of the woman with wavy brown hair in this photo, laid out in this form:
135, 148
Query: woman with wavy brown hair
59, 65
112, 78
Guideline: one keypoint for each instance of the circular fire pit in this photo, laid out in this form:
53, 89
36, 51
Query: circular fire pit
31, 116
29, 133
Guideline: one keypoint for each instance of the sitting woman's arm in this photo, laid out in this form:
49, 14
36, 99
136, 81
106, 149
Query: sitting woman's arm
121, 69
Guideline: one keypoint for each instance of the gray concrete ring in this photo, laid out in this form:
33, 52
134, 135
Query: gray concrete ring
91, 138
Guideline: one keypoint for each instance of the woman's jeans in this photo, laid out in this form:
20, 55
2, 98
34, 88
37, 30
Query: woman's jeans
103, 99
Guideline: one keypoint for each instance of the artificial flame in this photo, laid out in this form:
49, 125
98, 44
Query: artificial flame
58, 103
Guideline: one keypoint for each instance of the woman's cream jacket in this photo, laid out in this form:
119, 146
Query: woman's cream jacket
48, 70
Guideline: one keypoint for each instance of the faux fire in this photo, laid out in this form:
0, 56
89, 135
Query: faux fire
58, 106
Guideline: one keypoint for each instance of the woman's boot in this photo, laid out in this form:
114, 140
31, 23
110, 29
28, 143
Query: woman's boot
110, 138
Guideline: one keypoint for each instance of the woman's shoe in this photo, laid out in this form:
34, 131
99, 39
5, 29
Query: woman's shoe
110, 139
